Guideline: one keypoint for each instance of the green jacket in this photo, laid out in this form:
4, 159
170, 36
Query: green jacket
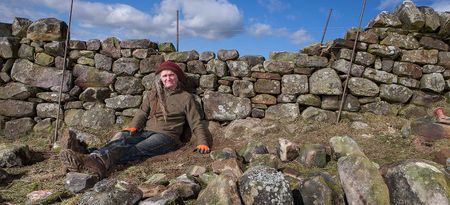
181, 108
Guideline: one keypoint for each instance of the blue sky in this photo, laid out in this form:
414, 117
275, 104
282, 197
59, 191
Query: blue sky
253, 27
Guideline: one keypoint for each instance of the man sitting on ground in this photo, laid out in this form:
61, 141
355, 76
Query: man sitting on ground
155, 129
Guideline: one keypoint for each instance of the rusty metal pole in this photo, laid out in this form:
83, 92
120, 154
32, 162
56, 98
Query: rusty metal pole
55, 136
178, 29
326, 26
344, 93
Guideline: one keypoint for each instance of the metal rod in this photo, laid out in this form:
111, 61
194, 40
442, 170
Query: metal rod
326, 26
344, 93
55, 136
178, 28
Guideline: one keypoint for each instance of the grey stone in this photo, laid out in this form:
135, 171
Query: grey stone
128, 85
73, 117
243, 88
18, 127
79, 182
53, 96
150, 64
13, 155
98, 118
31, 74
325, 82
267, 86
87, 76
5, 29
221, 190
182, 57
407, 69
285, 111
386, 51
287, 150
93, 45
433, 43
432, 82
432, 69
140, 53
313, 155
217, 67
282, 56
208, 82
125, 66
16, 108
9, 47
401, 41
77, 45
306, 61
343, 66
264, 99
421, 56
111, 47
47, 29
123, 102
362, 87
225, 107
294, 84
395, 93
54, 48
351, 103
316, 114
253, 60
206, 56
45, 110
321, 188
135, 43
282, 67
196, 67
385, 19
432, 19
238, 68
444, 59
410, 16
364, 58
380, 76
225, 55
408, 82
16, 91
26, 51
111, 192
309, 100
44, 59
20, 26
380, 108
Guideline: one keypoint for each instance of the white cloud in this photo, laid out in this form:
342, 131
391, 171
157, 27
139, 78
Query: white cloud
210, 19
19, 8
297, 37
441, 5
386, 4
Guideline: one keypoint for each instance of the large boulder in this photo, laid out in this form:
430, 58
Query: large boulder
123, 101
363, 87
264, 185
325, 82
317, 114
125, 66
47, 29
9, 47
395, 93
111, 47
251, 128
17, 108
420, 56
225, 55
283, 67
14, 155
343, 146
294, 84
238, 68
321, 188
221, 190
17, 127
410, 16
362, 181
16, 91
111, 192
31, 74
225, 107
20, 27
385, 19
401, 41
284, 111
91, 77
433, 82
417, 182
98, 118
432, 19
182, 57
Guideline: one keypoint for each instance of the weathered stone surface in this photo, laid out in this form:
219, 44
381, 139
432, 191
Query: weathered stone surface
401, 41
182, 57
78, 182
380, 76
265, 99
150, 64
123, 101
281, 67
342, 43
253, 60
238, 68
267, 86
420, 56
225, 107
385, 19
364, 58
433, 69
294, 84
91, 77
286, 98
111, 47
395, 93
243, 88
16, 91
98, 118
72, 117
407, 69
111, 192
93, 45
53, 96
206, 56
270, 76
208, 82
343, 146
321, 188
93, 94
282, 56
313, 155
54, 48
20, 26
287, 150
128, 85
217, 67
361, 181
362, 87
47, 29
432, 82
416, 182
9, 47
12, 155
309, 100
125, 66
306, 61
225, 55
316, 114
391, 52
343, 66
15, 128
196, 67
424, 99
444, 30
325, 82
135, 43
185, 186
16, 108
29, 73
44, 59
432, 19
221, 190
444, 59
433, 43
86, 61
285, 111
410, 16
380, 108
411, 111
367, 36
26, 51
45, 110
260, 185
351, 103
225, 166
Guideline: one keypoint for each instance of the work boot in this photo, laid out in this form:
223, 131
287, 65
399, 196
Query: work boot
77, 162
69, 141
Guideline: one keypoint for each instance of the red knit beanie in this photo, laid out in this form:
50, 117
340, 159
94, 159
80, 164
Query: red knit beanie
169, 65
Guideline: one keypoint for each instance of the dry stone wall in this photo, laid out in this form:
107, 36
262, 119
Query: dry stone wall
401, 66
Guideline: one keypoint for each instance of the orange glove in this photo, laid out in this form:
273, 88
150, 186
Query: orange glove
130, 129
202, 149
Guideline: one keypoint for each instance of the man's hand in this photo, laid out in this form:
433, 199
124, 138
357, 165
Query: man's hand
202, 149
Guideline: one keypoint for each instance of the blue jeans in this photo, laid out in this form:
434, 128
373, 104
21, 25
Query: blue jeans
139, 145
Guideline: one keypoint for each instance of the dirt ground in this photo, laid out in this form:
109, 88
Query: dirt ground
381, 141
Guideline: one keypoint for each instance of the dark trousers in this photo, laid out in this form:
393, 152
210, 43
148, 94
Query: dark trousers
137, 146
